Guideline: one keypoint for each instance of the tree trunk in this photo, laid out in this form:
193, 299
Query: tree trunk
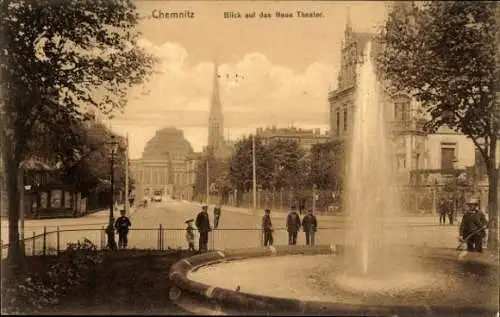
15, 258
492, 197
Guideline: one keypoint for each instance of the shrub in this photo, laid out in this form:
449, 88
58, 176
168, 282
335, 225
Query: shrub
37, 290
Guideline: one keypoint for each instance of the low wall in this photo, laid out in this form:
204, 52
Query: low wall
235, 302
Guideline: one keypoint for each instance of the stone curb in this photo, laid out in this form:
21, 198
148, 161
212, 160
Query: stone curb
235, 302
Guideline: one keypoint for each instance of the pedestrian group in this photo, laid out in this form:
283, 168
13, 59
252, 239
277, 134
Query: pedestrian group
308, 224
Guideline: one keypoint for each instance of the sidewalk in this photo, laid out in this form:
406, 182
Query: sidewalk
427, 220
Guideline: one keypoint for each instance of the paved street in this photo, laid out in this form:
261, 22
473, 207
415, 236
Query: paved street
172, 215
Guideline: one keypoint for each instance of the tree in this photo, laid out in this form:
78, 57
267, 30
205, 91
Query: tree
241, 165
287, 170
445, 54
90, 163
326, 162
58, 60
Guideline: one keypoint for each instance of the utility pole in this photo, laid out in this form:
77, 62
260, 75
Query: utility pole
254, 176
314, 198
126, 179
20, 182
208, 182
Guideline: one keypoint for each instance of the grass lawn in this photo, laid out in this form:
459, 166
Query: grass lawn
127, 282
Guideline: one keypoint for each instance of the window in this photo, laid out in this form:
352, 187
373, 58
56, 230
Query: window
402, 110
338, 122
478, 158
400, 162
345, 118
447, 155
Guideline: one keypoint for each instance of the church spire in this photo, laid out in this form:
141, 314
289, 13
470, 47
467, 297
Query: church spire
215, 119
348, 25
215, 107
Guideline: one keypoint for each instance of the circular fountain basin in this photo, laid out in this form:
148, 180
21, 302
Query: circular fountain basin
444, 284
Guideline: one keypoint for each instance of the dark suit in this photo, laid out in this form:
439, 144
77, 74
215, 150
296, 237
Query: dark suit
203, 225
292, 226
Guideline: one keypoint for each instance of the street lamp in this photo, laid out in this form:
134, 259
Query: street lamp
259, 191
110, 230
254, 175
455, 200
169, 176
314, 197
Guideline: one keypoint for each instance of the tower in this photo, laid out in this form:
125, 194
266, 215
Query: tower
215, 119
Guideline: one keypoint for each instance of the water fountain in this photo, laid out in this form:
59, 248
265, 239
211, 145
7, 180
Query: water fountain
376, 273
372, 201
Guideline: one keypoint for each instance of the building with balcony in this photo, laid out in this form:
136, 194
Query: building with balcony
414, 148
306, 138
423, 160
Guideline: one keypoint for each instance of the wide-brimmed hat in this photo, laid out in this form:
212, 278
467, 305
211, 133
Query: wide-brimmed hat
189, 221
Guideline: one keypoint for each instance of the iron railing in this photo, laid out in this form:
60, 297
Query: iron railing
161, 238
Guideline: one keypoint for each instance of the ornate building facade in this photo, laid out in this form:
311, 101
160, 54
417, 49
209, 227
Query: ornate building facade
420, 158
166, 167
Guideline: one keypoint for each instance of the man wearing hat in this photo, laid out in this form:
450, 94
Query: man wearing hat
293, 226
190, 234
122, 225
203, 225
472, 227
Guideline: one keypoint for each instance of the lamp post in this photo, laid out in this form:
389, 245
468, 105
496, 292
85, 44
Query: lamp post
208, 181
168, 176
20, 182
127, 206
110, 230
259, 191
314, 197
254, 175
281, 197
455, 199
416, 155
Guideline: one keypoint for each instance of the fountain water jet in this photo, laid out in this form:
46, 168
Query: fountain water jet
371, 199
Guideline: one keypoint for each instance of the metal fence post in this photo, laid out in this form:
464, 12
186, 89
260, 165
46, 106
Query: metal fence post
161, 237
33, 244
102, 237
44, 240
58, 240
213, 238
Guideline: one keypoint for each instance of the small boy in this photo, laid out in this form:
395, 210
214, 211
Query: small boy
190, 234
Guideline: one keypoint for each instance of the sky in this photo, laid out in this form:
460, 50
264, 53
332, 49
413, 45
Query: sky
273, 71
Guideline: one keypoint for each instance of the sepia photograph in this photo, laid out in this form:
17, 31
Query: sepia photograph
225, 157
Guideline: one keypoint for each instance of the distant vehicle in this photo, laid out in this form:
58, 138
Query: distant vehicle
157, 196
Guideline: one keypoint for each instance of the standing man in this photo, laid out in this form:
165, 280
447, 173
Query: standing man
267, 228
203, 225
451, 210
309, 225
122, 225
482, 223
217, 211
443, 211
292, 226
470, 229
